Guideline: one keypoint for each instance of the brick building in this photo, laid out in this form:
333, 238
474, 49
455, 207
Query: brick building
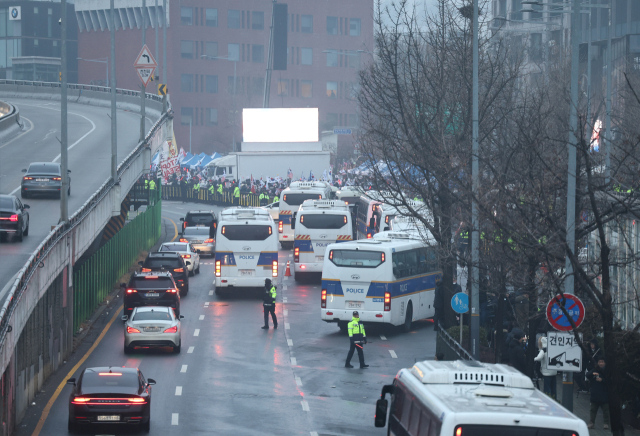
328, 42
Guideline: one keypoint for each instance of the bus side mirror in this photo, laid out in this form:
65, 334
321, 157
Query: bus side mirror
381, 413
372, 222
293, 220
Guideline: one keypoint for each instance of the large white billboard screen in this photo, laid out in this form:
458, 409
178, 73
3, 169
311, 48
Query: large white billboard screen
280, 125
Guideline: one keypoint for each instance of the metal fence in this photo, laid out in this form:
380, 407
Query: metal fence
187, 193
96, 277
449, 347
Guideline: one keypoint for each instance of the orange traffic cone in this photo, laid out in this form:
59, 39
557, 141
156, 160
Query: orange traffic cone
287, 273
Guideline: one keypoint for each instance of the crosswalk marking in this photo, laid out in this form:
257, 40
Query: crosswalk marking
393, 354
298, 381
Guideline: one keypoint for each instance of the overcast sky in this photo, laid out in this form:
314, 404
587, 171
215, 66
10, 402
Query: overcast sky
419, 3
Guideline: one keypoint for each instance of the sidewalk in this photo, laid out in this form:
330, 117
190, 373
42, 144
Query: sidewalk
582, 407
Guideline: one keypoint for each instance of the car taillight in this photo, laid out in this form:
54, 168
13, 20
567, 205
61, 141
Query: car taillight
172, 291
145, 270
183, 240
345, 219
80, 400
186, 256
56, 178
459, 431
132, 330
368, 235
27, 178
208, 241
13, 218
136, 400
387, 301
223, 229
178, 270
382, 257
173, 329
184, 225
296, 254
131, 291
280, 227
274, 268
323, 299
218, 267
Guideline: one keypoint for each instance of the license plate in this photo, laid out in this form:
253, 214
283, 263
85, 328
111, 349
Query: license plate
108, 417
42, 180
247, 272
355, 304
153, 294
319, 258
152, 329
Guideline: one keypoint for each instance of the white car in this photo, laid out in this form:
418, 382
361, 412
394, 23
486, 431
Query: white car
274, 211
188, 253
152, 326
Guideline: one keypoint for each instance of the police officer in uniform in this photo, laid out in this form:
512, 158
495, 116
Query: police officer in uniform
269, 304
357, 336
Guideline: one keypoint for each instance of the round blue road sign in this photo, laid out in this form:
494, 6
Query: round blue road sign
460, 302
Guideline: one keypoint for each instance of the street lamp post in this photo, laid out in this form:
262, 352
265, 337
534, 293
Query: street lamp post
235, 64
101, 61
475, 235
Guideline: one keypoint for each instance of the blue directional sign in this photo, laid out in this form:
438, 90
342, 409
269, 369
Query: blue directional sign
460, 302
342, 131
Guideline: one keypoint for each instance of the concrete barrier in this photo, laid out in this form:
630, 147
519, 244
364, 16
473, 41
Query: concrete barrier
9, 120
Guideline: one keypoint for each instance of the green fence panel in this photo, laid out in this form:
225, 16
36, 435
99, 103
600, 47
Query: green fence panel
95, 278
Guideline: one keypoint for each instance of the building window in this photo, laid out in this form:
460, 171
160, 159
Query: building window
212, 17
186, 16
211, 49
230, 88
332, 120
233, 52
212, 117
257, 85
332, 25
536, 47
353, 60
307, 56
307, 23
257, 53
212, 84
186, 49
332, 58
233, 19
354, 27
332, 89
306, 88
353, 120
283, 88
35, 42
257, 20
186, 115
186, 82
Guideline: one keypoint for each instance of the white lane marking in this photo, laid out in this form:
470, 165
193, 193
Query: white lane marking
393, 354
293, 361
184, 368
383, 337
305, 405
174, 419
201, 317
298, 381
196, 333
284, 299
190, 350
210, 292
206, 304
291, 255
20, 135
290, 342
286, 312
284, 287
287, 326
178, 390
286, 278
93, 127
314, 433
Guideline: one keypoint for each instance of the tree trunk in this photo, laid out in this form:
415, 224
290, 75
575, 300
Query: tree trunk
532, 349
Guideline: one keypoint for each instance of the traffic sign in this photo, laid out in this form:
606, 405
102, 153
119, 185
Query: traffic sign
563, 352
460, 302
162, 89
342, 131
572, 305
145, 65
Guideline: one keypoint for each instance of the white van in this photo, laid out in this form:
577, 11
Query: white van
469, 398
291, 199
317, 224
246, 248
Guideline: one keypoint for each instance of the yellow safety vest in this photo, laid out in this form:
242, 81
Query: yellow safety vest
152, 185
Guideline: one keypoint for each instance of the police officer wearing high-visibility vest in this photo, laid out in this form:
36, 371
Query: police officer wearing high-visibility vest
358, 337
269, 304
152, 185
236, 195
263, 198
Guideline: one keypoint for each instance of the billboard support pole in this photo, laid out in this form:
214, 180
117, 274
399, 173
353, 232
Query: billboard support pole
267, 80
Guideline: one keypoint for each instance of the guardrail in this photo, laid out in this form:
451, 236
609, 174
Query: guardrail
105, 89
53, 253
449, 347
10, 119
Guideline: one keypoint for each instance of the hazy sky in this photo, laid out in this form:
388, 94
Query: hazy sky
419, 3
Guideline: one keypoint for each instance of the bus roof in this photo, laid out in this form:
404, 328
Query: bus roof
379, 244
324, 205
299, 186
245, 213
462, 387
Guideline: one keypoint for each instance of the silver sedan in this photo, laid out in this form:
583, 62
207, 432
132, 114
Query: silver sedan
152, 326
200, 239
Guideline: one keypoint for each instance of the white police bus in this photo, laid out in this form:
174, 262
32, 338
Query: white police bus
390, 279
291, 199
469, 398
317, 224
246, 248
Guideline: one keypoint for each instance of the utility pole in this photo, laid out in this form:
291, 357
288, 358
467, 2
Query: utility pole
64, 206
475, 235
608, 137
114, 127
164, 52
156, 26
142, 87
267, 80
576, 22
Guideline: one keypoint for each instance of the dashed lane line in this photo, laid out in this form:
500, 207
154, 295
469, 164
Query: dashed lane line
196, 333
383, 337
290, 342
393, 354
184, 368
305, 405
210, 292
294, 362
178, 390
287, 326
206, 304
201, 317
174, 419
284, 287
298, 381
314, 433
286, 312
190, 350
284, 299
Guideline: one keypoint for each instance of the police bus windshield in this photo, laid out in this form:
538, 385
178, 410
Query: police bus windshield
323, 221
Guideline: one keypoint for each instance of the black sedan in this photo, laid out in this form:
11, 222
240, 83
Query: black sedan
14, 218
110, 395
43, 178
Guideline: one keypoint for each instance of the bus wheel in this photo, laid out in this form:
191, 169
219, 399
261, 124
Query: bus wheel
407, 318
342, 325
